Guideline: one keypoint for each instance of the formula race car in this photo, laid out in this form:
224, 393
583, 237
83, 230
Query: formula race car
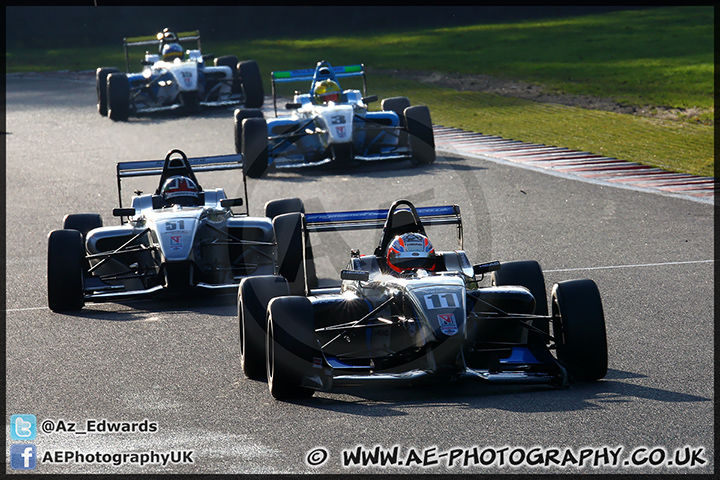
407, 314
173, 79
329, 124
179, 239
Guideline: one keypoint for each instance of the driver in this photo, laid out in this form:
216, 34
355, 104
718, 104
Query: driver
180, 190
170, 48
326, 91
410, 252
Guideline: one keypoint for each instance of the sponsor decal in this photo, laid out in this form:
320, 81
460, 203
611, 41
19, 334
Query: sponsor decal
176, 242
448, 326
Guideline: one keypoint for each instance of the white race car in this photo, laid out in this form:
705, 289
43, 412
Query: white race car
177, 240
176, 79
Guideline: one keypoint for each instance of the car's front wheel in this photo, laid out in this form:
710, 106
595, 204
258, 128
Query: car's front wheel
290, 346
240, 115
249, 73
578, 325
66, 257
118, 90
101, 75
254, 147
254, 294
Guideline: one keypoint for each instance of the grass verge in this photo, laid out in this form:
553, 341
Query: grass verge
657, 57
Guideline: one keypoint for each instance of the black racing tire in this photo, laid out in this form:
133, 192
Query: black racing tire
232, 62
420, 131
66, 257
249, 73
240, 115
254, 294
118, 91
289, 237
254, 147
290, 346
526, 274
397, 105
579, 329
101, 75
82, 222
273, 208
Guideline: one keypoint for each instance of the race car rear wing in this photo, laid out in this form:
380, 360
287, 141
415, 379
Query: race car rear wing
153, 40
375, 219
175, 166
313, 74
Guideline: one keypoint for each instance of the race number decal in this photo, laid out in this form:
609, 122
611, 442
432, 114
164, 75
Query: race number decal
441, 300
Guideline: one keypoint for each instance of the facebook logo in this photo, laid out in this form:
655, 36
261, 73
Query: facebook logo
23, 456
23, 427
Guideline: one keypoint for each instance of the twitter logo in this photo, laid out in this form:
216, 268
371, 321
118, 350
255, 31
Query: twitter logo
23, 427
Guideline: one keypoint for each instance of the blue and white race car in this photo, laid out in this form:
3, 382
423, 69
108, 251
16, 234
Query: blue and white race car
176, 79
329, 124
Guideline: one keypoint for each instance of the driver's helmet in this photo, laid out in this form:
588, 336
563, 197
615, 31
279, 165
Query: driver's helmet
171, 51
179, 190
166, 36
410, 251
327, 91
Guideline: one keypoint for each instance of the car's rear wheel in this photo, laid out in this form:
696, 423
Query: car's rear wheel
290, 346
240, 115
101, 75
254, 147
422, 138
273, 208
289, 237
398, 106
249, 72
578, 325
66, 257
83, 223
232, 62
526, 274
118, 90
254, 294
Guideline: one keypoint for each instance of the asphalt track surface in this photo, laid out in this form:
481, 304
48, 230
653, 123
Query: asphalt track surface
177, 363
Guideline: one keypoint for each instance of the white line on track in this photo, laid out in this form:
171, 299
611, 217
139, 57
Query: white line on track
663, 264
629, 266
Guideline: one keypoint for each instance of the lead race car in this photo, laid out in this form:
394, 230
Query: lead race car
173, 79
407, 314
178, 240
329, 124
